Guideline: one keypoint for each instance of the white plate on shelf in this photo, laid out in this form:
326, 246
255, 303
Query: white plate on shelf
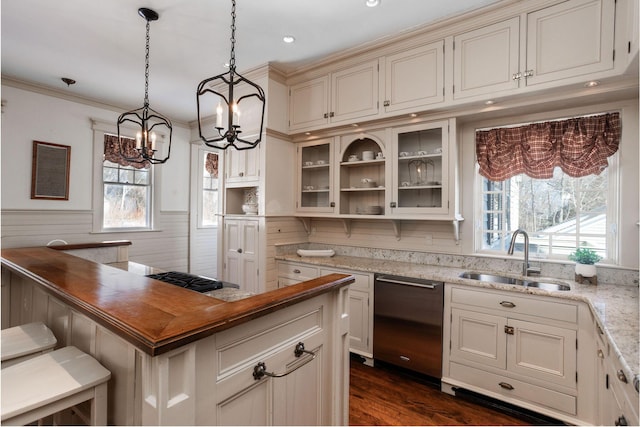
316, 252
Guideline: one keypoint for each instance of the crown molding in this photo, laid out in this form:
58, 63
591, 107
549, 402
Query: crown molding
61, 94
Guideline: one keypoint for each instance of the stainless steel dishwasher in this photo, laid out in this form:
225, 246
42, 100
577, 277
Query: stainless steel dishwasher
407, 323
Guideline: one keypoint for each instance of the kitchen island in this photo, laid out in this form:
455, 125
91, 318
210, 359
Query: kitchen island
180, 357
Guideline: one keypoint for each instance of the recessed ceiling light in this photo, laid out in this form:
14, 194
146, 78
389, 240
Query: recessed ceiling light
372, 3
288, 39
592, 83
413, 115
489, 102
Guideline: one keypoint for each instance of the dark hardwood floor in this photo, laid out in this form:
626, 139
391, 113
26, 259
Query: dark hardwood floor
385, 395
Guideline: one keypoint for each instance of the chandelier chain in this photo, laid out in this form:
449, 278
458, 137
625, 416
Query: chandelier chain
232, 60
146, 69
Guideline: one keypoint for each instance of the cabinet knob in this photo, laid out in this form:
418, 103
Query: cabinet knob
331, 114
241, 174
332, 204
386, 103
600, 354
392, 204
325, 115
297, 271
516, 76
239, 250
528, 73
621, 421
621, 376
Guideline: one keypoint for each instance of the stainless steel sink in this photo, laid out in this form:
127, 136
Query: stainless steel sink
513, 281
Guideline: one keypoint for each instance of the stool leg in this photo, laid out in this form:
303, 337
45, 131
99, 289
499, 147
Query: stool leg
99, 405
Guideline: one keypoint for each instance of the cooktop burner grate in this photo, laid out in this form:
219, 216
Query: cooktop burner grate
188, 281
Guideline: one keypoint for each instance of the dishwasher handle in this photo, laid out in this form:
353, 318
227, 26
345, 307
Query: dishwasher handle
403, 282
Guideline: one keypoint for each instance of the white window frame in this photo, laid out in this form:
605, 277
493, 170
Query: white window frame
613, 215
100, 128
202, 152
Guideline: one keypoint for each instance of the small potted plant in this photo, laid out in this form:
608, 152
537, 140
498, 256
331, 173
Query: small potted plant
585, 259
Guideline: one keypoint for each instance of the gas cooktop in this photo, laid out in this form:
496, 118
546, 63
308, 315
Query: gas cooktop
191, 281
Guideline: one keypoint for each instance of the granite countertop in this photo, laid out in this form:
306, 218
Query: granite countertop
615, 307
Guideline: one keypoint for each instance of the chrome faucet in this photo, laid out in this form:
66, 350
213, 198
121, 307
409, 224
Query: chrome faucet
526, 270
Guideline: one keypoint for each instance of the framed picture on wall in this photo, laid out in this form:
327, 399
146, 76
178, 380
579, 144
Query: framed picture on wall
50, 171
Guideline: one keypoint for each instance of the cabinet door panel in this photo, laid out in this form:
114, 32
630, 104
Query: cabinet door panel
570, 39
359, 320
544, 352
497, 48
354, 92
414, 78
308, 103
478, 337
249, 407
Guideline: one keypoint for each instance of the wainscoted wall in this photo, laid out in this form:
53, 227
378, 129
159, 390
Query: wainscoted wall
166, 249
204, 252
280, 231
423, 236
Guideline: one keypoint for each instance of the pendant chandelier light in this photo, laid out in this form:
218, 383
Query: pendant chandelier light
225, 92
146, 118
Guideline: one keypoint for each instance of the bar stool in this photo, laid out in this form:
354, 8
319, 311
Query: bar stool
25, 341
52, 382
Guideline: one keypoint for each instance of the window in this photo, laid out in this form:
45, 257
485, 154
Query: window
559, 214
556, 180
209, 207
127, 196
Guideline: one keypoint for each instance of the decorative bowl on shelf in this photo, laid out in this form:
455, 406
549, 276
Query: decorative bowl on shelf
250, 208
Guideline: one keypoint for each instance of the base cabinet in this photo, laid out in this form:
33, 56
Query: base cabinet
241, 247
360, 300
618, 400
515, 347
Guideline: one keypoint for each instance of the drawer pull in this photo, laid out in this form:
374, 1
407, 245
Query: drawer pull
621, 376
509, 330
260, 370
506, 386
508, 304
297, 271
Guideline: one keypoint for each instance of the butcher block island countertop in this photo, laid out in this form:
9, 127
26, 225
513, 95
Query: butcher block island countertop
178, 357
154, 316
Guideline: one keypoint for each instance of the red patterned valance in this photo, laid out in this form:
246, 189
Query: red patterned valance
112, 152
579, 146
211, 164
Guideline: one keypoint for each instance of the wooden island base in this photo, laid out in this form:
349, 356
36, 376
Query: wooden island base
180, 358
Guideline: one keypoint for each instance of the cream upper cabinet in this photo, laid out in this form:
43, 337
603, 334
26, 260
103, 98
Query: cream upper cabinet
566, 43
414, 78
315, 176
487, 60
242, 166
341, 96
423, 172
571, 39
241, 244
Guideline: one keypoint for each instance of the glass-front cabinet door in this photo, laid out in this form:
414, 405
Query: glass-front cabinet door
421, 172
315, 189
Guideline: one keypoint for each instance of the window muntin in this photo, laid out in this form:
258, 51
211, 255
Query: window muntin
127, 196
559, 214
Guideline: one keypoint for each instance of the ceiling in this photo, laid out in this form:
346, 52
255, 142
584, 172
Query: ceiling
101, 44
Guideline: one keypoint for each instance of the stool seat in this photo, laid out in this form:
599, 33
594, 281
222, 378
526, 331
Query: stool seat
52, 382
21, 342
